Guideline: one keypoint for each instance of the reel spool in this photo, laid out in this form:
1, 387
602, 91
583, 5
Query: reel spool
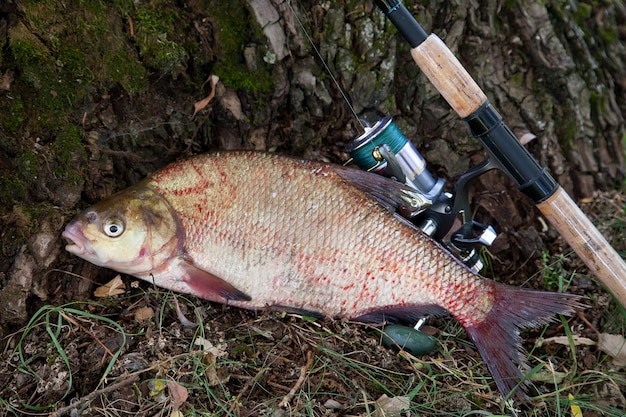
385, 150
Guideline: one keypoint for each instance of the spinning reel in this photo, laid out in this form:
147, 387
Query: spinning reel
383, 149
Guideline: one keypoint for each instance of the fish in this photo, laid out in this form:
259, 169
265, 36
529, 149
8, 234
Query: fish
258, 230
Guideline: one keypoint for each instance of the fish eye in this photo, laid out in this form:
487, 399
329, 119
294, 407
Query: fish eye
113, 227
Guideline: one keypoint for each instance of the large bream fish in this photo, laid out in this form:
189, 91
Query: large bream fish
254, 230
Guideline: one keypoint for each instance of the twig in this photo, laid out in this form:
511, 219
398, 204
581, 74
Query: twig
131, 27
245, 388
84, 329
300, 381
199, 105
128, 381
366, 402
582, 317
181, 317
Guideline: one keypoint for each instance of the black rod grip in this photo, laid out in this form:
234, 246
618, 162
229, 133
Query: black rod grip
531, 178
404, 21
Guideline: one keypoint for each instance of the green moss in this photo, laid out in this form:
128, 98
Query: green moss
155, 28
27, 50
28, 164
129, 73
12, 114
68, 145
32, 56
234, 76
567, 132
107, 51
243, 350
14, 185
51, 89
237, 28
12, 189
73, 61
583, 12
608, 34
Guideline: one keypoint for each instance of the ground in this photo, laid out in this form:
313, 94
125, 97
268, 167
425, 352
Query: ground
95, 97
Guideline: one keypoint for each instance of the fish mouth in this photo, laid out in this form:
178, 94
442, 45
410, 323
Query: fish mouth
76, 240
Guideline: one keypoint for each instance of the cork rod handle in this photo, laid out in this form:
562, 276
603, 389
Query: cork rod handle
447, 74
576, 228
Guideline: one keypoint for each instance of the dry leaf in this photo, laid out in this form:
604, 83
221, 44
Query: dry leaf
178, 393
181, 317
157, 390
613, 345
144, 313
111, 288
207, 346
548, 376
392, 407
334, 405
7, 79
576, 411
527, 137
199, 105
564, 340
215, 375
211, 370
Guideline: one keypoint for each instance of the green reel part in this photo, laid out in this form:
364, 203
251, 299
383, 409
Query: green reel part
364, 149
407, 338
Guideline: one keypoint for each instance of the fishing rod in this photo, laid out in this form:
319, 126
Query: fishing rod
505, 152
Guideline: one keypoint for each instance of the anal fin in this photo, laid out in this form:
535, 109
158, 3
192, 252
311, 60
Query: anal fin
405, 314
210, 287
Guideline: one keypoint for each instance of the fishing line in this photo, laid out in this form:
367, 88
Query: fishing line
328, 70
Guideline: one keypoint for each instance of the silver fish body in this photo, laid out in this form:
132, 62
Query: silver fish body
256, 230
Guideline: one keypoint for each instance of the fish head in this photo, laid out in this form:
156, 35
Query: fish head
135, 232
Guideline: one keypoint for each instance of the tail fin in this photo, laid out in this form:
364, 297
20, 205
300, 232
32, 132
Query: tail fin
497, 337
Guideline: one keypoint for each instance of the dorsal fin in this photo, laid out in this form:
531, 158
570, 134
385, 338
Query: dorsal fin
390, 194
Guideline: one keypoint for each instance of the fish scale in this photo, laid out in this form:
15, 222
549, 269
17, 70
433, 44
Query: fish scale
257, 230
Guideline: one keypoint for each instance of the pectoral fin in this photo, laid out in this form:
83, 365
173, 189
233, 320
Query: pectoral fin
208, 286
